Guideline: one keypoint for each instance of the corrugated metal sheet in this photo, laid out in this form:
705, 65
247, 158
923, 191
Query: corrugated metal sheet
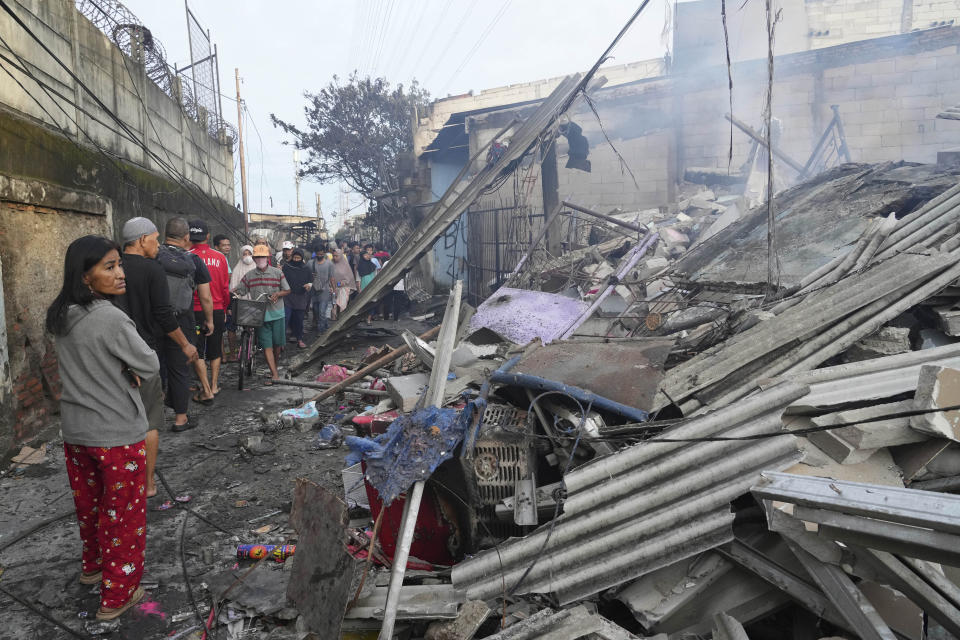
869, 379
565, 624
648, 505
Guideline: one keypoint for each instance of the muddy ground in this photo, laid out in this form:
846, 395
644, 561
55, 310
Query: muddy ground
231, 493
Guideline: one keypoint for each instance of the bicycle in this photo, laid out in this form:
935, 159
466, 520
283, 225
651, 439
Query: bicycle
248, 316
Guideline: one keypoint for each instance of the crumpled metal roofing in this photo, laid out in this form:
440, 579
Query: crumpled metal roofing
642, 508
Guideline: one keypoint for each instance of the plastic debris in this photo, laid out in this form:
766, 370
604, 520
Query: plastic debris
167, 504
330, 437
276, 552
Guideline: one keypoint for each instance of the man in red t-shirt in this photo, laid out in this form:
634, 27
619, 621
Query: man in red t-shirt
210, 347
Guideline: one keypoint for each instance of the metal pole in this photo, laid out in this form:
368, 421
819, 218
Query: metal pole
605, 217
411, 508
216, 63
243, 164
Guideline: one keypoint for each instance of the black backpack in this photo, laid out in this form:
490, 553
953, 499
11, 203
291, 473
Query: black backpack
181, 276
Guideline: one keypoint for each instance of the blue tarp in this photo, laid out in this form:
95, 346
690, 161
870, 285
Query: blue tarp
412, 447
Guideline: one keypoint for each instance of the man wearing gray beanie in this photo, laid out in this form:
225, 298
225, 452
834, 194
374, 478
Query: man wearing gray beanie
147, 302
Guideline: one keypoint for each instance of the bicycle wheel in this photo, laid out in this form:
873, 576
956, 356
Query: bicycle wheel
244, 347
251, 352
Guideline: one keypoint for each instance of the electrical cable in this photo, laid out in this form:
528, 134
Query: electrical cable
43, 614
453, 37
430, 39
476, 47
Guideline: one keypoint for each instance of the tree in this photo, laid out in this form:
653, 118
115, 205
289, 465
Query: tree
356, 132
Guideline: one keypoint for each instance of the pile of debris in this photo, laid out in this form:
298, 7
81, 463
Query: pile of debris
622, 442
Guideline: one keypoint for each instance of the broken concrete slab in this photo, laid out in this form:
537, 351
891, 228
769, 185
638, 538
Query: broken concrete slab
937, 388
472, 615
887, 341
405, 391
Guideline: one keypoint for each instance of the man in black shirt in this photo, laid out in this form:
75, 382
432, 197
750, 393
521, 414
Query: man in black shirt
148, 303
178, 372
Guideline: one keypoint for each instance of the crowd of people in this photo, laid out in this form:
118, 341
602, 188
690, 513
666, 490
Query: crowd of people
140, 324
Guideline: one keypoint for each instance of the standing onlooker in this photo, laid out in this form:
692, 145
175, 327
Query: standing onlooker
222, 244
322, 269
244, 266
187, 278
300, 279
270, 281
283, 256
344, 283
101, 360
211, 348
367, 270
147, 302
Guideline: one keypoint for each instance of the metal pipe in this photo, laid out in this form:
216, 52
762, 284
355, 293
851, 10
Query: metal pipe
636, 253
411, 507
370, 368
602, 216
380, 393
601, 470
527, 381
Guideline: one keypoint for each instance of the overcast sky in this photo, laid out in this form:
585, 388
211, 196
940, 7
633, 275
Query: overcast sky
284, 47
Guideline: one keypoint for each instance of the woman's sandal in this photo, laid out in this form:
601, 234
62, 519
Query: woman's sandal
91, 578
110, 613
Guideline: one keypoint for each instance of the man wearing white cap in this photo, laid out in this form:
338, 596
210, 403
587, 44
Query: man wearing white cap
147, 302
283, 257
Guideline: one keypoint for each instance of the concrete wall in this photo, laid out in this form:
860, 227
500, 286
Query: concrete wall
152, 117
63, 174
39, 222
889, 91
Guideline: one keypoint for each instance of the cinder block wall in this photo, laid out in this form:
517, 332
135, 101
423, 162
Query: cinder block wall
889, 91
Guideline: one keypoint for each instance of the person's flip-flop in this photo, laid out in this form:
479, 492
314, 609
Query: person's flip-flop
207, 401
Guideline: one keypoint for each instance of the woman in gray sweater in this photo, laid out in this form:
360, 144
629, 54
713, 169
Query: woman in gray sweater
102, 359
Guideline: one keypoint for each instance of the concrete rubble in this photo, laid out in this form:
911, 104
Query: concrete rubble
664, 451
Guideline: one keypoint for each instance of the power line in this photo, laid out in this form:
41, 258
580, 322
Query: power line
373, 36
403, 43
375, 60
476, 46
179, 178
451, 40
430, 39
260, 139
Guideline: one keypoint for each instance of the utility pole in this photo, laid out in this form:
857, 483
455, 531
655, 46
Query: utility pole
296, 177
243, 164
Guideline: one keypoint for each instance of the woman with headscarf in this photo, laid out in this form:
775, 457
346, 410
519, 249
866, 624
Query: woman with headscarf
101, 360
300, 279
244, 266
344, 282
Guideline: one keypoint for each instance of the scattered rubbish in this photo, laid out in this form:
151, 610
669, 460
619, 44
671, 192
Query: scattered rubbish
101, 627
333, 373
29, 456
303, 416
329, 437
277, 553
267, 528
166, 504
265, 516
183, 499
239, 504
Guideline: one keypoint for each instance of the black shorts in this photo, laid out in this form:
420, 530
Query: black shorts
210, 347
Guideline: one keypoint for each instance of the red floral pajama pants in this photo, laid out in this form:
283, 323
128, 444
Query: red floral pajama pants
108, 490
